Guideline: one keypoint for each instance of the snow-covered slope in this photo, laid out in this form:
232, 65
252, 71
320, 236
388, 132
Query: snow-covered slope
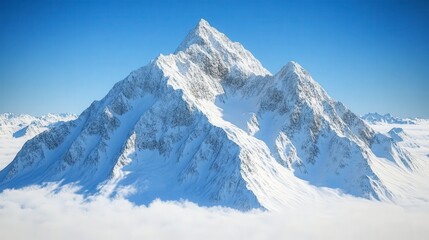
16, 129
408, 187
211, 125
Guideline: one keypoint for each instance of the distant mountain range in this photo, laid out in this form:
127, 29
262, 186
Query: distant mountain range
375, 118
24, 125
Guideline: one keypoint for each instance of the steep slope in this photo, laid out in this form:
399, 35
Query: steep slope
211, 125
16, 129
409, 188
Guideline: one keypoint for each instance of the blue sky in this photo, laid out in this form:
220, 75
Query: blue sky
59, 56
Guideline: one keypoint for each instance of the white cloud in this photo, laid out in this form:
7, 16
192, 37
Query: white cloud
38, 213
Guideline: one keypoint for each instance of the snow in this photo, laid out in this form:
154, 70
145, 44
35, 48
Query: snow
39, 213
410, 188
205, 42
376, 118
210, 125
16, 129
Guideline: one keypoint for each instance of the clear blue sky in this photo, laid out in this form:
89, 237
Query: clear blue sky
59, 56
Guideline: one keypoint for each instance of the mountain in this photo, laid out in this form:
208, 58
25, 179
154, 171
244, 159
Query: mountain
16, 129
210, 124
24, 125
376, 118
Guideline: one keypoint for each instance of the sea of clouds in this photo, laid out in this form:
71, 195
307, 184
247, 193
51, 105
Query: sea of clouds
42, 213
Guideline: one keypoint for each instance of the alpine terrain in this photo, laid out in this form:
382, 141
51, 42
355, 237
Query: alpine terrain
16, 129
210, 124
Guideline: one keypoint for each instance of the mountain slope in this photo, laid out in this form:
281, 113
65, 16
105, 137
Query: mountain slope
409, 188
211, 125
16, 129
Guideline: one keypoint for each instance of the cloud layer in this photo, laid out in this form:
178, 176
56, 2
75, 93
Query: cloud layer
38, 213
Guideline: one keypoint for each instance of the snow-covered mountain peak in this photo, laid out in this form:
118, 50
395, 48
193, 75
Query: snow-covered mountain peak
291, 72
202, 34
203, 23
209, 124
203, 27
291, 66
294, 80
217, 55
